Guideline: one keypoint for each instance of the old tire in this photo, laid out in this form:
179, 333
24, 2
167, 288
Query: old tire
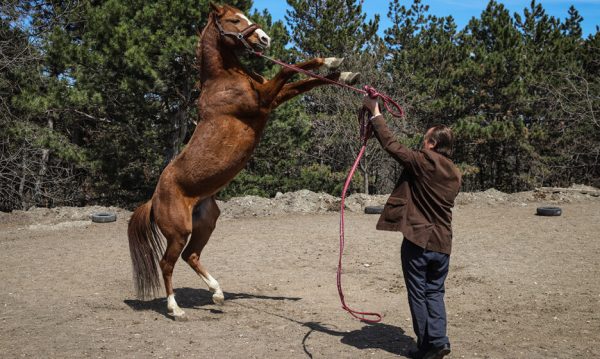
549, 211
373, 209
103, 217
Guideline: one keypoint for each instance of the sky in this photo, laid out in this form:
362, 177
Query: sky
463, 10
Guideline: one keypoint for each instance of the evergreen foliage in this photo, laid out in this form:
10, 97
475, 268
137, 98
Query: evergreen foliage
96, 97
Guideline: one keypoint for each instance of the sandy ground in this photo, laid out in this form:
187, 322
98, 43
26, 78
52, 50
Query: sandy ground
520, 286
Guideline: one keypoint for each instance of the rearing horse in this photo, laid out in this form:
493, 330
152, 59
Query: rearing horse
233, 108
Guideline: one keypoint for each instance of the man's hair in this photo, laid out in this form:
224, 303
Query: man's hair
444, 139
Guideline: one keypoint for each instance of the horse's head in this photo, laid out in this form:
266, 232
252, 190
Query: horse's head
237, 30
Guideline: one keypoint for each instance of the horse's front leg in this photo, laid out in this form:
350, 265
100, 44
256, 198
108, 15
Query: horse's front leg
294, 89
271, 88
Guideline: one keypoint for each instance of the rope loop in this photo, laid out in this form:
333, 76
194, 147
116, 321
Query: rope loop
366, 132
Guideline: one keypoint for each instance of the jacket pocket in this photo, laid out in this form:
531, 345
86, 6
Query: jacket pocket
394, 210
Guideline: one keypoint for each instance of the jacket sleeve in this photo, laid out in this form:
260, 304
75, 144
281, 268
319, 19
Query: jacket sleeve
411, 160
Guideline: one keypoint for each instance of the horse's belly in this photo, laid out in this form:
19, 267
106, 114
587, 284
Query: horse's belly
210, 163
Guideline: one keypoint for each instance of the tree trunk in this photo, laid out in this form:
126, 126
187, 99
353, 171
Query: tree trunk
22, 182
37, 192
179, 126
365, 173
178, 133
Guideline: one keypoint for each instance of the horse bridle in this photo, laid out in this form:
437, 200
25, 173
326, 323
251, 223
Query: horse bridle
240, 36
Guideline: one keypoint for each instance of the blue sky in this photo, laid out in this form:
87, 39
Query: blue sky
464, 10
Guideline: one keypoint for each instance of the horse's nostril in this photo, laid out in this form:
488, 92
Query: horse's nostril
265, 40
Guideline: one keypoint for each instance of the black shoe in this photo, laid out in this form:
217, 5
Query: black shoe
438, 353
416, 353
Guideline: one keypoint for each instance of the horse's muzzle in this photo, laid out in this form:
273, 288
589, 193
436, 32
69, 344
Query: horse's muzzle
263, 38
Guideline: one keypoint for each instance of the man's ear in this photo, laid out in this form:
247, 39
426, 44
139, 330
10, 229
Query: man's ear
430, 142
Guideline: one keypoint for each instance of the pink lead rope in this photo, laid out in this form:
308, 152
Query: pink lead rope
366, 132
393, 108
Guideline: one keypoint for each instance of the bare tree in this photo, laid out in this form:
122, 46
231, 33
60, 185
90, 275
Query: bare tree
29, 174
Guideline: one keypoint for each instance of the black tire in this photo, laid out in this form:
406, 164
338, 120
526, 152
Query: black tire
549, 211
103, 217
373, 209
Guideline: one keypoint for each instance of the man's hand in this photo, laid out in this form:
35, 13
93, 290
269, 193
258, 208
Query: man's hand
372, 104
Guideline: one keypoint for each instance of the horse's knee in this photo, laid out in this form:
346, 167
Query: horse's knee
190, 255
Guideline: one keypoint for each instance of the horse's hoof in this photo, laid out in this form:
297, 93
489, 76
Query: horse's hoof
332, 63
349, 78
178, 314
218, 298
181, 318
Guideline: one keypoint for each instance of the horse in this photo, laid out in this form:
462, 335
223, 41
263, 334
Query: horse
233, 109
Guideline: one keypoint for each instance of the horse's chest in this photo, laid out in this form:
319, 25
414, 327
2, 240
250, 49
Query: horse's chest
233, 99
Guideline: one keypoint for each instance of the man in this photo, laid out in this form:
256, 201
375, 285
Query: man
420, 208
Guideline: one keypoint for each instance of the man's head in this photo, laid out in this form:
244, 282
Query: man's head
440, 139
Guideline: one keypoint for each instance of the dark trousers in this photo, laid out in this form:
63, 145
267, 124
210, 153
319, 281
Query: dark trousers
424, 274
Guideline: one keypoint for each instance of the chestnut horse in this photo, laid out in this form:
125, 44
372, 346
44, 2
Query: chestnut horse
233, 108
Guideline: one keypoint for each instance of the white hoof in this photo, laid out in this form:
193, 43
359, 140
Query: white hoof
218, 298
332, 63
173, 309
177, 313
349, 78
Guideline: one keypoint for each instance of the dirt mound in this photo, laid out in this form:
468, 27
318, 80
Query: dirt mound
550, 195
305, 201
59, 217
301, 202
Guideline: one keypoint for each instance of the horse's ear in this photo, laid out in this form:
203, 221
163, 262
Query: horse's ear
216, 8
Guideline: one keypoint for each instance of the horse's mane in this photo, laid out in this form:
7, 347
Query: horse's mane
198, 62
211, 20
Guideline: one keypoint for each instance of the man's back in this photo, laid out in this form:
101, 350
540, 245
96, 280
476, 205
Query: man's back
420, 205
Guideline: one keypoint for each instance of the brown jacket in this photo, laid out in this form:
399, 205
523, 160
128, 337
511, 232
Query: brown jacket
420, 205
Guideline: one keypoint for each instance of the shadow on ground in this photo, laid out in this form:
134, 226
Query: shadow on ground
371, 336
193, 298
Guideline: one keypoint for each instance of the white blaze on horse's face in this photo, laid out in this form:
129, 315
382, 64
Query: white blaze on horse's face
264, 39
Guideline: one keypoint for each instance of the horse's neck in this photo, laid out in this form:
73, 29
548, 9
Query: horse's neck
214, 58
217, 62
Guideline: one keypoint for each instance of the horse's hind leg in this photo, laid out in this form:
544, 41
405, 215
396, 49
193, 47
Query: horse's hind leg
204, 218
175, 223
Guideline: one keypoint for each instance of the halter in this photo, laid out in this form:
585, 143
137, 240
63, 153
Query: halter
241, 36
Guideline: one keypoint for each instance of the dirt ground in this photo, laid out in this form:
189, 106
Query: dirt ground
520, 286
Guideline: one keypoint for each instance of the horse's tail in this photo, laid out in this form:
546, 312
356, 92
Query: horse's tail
145, 247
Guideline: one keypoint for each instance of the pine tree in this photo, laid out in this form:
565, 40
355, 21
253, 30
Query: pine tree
325, 28
424, 62
491, 131
125, 73
572, 26
337, 28
48, 168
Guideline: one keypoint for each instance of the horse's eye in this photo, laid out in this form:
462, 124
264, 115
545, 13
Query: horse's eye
234, 21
